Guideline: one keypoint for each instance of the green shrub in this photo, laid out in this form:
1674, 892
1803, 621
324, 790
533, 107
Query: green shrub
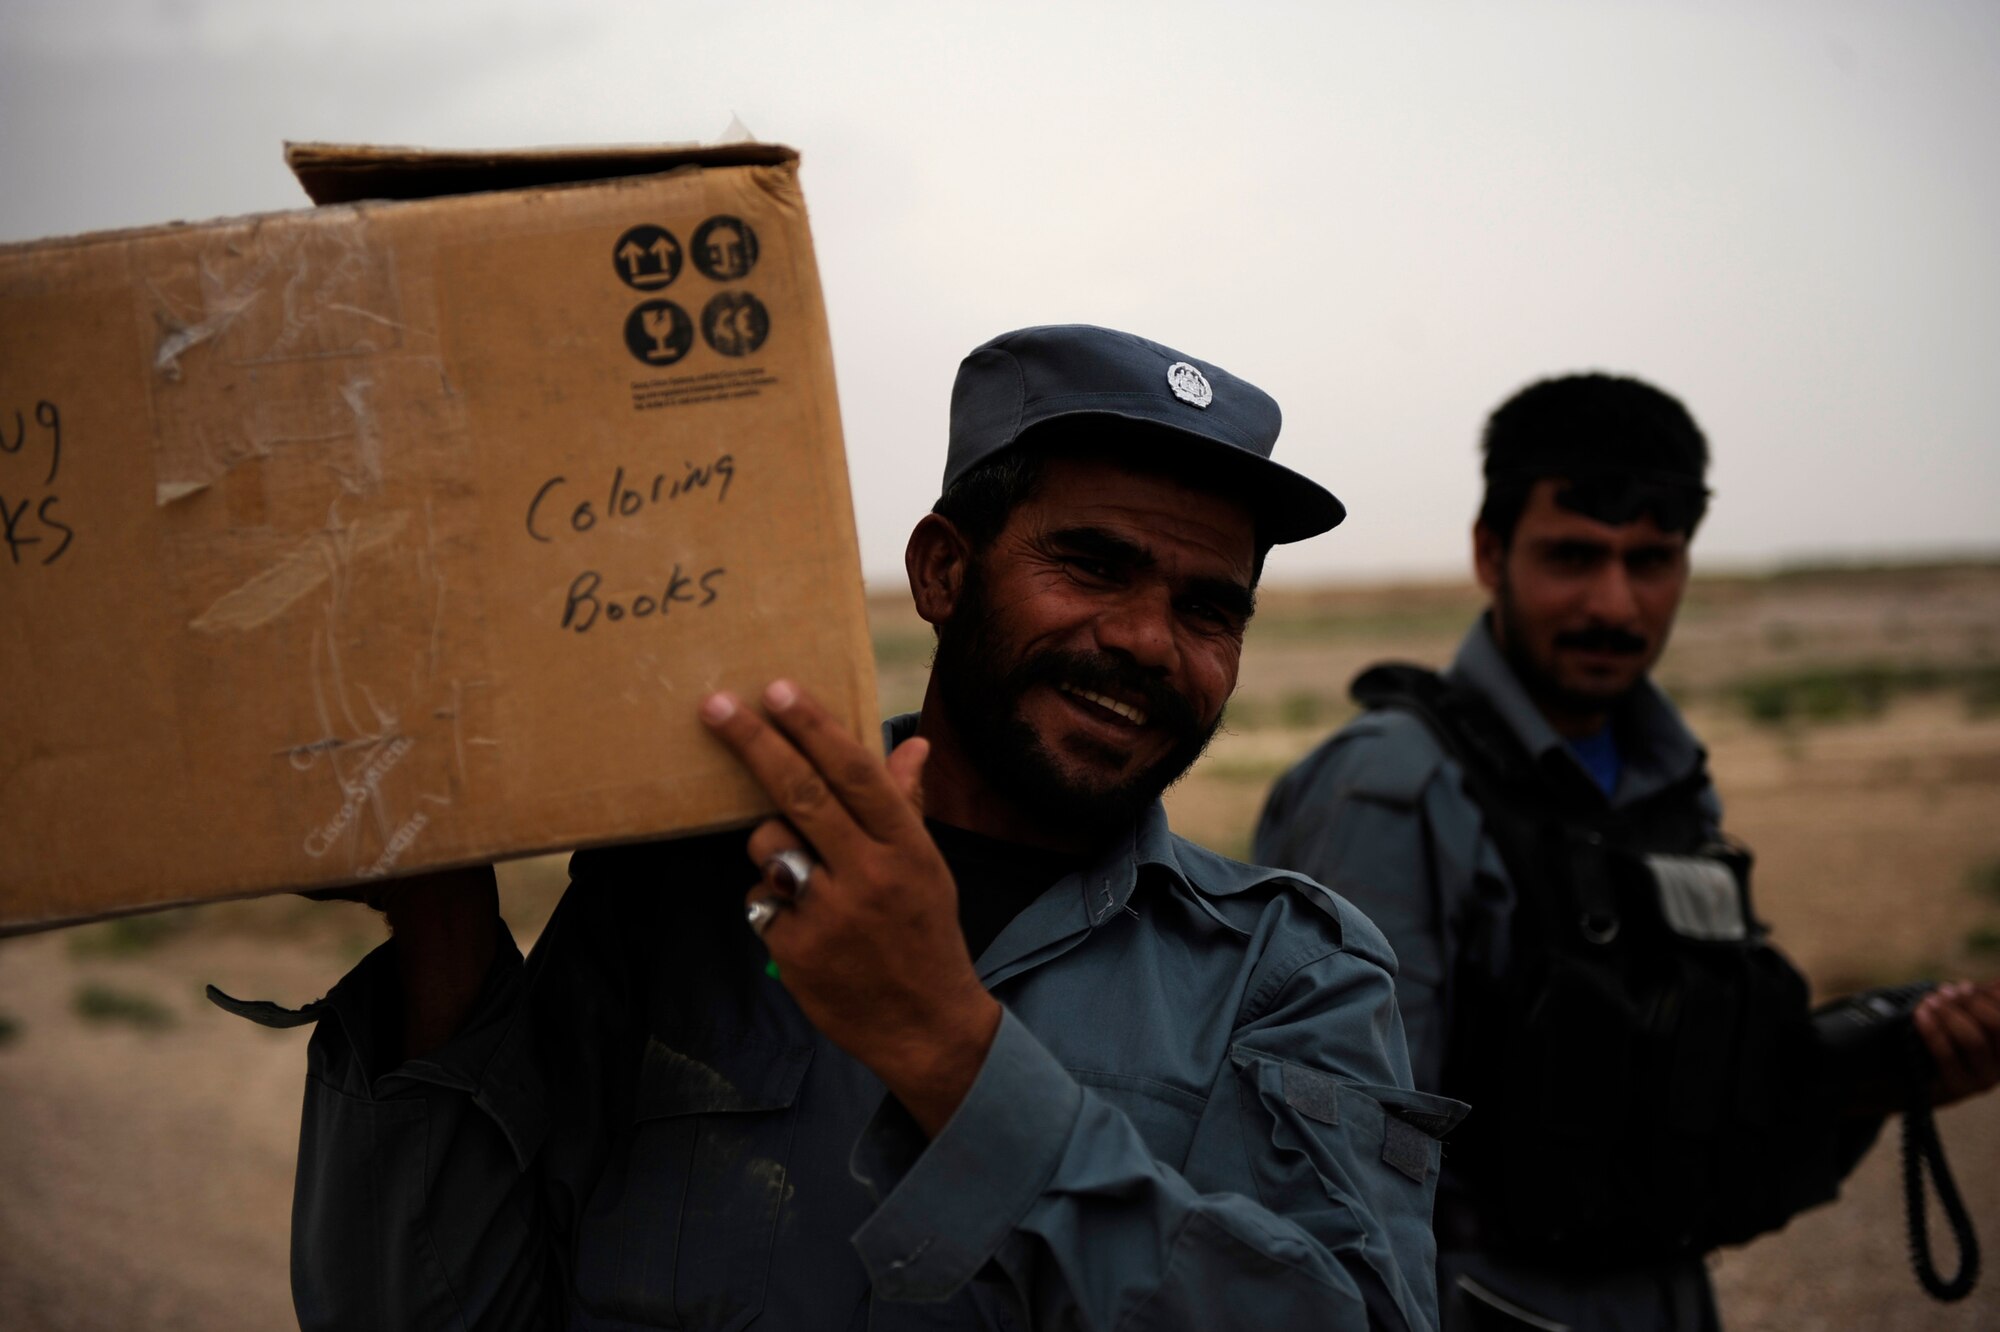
1849, 693
102, 1003
128, 936
1982, 940
1984, 879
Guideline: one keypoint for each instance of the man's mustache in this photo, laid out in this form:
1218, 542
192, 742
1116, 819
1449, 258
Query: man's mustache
1602, 638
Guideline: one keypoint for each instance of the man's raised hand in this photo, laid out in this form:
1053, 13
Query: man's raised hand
870, 944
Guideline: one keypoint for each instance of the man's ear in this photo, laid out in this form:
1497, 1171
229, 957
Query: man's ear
1489, 557
936, 561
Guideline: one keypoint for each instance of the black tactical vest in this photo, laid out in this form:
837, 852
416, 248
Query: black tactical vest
1636, 1054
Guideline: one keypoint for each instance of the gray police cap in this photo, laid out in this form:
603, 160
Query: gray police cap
1205, 415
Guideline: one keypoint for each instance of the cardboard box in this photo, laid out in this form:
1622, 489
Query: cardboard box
391, 535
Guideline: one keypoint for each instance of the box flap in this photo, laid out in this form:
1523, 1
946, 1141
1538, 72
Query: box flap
343, 172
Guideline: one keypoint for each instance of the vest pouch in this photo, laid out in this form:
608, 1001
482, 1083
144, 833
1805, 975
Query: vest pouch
1648, 1074
1699, 897
1556, 1147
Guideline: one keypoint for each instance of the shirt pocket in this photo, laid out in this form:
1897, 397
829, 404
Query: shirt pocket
680, 1229
1165, 1116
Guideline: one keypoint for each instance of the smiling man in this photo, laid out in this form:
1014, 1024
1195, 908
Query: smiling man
1536, 833
966, 1037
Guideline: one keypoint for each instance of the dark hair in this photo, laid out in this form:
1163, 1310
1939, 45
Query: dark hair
980, 502
1609, 433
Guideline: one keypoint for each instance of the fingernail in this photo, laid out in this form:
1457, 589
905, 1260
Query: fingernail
718, 708
781, 694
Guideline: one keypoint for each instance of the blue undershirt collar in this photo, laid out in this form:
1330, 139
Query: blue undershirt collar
1598, 753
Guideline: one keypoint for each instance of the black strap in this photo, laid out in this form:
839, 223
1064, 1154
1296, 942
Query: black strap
1463, 722
1922, 1148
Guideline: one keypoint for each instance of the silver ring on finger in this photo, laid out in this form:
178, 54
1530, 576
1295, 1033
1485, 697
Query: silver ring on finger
789, 869
761, 913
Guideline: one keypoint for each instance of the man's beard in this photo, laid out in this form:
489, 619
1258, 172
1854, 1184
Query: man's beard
1540, 680
982, 688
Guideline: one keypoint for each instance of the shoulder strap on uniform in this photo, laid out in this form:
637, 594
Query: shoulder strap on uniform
1464, 723
1519, 804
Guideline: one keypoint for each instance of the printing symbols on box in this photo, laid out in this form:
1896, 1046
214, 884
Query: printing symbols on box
735, 323
659, 332
647, 257
725, 248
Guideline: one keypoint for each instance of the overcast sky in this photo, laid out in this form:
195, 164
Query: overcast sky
1390, 215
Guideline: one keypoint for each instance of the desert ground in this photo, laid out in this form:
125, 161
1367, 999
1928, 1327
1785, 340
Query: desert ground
1853, 720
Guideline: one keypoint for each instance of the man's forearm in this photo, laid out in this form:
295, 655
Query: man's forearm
445, 927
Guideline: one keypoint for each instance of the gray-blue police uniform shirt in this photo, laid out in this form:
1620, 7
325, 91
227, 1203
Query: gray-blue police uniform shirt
1197, 1113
